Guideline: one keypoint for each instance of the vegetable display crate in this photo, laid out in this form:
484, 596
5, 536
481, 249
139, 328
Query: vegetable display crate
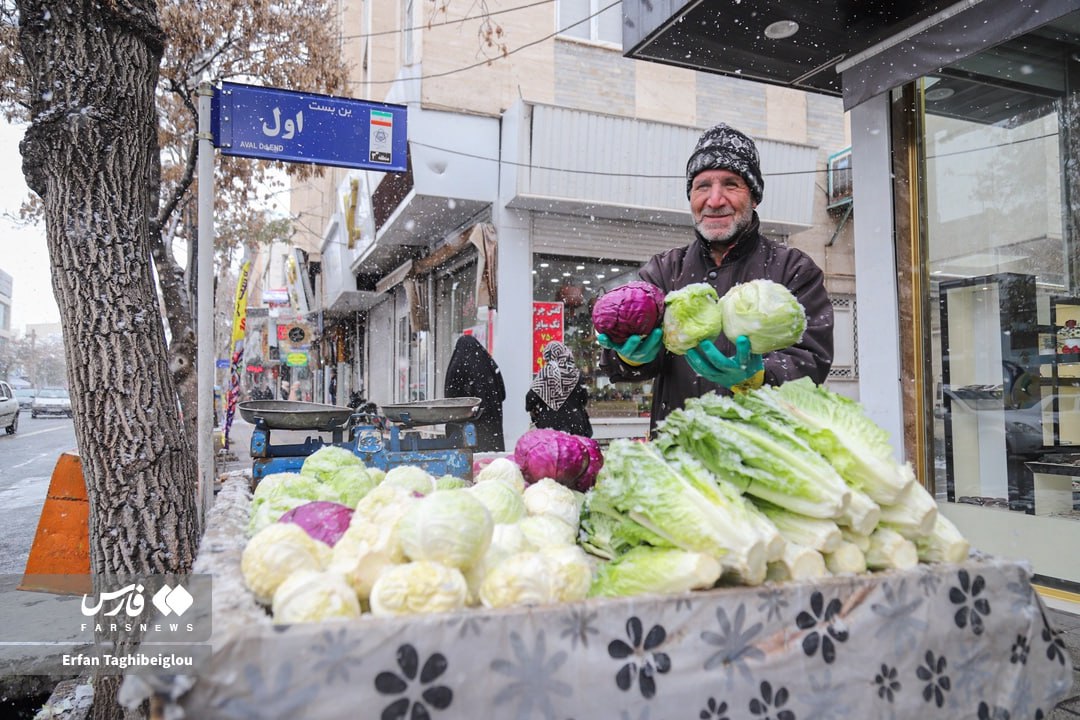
968, 640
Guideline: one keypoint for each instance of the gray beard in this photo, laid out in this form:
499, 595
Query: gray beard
737, 228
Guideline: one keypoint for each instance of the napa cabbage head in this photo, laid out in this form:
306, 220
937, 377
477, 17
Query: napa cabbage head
504, 470
548, 497
312, 596
418, 588
504, 503
450, 527
692, 314
410, 477
278, 493
765, 312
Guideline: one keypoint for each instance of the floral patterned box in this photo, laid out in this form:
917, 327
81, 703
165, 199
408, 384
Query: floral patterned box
941, 641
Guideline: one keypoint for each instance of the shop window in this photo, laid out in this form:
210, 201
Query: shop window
999, 214
576, 283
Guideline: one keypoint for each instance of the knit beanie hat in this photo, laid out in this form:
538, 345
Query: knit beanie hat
724, 148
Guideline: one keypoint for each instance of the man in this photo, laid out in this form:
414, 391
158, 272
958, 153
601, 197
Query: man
724, 186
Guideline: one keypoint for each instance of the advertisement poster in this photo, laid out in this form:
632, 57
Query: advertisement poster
547, 325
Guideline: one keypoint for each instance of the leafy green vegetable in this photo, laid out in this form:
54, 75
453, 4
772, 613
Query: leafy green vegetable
759, 455
450, 527
765, 312
311, 596
838, 428
277, 551
692, 314
418, 587
504, 504
647, 569
682, 510
410, 477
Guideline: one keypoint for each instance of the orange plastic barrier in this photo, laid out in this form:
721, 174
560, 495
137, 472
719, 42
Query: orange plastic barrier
59, 559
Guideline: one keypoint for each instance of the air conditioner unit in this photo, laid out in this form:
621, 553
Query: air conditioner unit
839, 179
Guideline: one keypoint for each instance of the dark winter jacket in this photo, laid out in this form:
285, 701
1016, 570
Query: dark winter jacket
571, 417
752, 257
473, 373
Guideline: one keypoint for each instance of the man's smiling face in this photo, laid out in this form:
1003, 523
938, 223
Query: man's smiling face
720, 205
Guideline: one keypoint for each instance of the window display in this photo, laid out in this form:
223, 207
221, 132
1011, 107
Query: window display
576, 283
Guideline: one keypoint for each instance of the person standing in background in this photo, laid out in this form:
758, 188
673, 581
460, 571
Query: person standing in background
333, 386
558, 398
472, 372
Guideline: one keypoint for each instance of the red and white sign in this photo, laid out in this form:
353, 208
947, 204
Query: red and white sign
547, 325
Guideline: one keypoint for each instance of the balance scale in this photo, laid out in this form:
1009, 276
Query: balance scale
383, 441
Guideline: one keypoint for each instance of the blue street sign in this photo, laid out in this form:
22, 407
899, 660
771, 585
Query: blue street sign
274, 124
222, 363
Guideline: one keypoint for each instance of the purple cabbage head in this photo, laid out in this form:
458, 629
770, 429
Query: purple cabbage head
636, 308
321, 519
596, 461
545, 453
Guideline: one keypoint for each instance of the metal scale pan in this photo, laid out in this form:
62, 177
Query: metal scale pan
295, 415
433, 412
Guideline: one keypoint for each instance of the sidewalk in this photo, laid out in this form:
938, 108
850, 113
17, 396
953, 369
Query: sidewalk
1068, 624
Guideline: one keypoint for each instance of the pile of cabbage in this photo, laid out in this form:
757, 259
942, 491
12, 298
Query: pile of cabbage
780, 483
345, 540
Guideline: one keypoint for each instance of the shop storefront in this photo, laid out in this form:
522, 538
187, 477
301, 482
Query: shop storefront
997, 205
964, 153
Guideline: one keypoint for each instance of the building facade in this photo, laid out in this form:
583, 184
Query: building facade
537, 179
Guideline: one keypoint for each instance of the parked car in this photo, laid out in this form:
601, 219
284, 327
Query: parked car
25, 397
9, 409
51, 401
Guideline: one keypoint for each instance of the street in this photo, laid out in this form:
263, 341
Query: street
27, 460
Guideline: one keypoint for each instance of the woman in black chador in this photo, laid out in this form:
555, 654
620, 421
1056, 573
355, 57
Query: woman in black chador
473, 373
557, 397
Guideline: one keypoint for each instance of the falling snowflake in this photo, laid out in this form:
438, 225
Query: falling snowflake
735, 643
533, 678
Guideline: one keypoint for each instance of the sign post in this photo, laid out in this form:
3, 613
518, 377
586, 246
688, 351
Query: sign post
291, 126
288, 126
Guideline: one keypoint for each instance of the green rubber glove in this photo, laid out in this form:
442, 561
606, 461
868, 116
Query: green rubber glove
731, 372
638, 349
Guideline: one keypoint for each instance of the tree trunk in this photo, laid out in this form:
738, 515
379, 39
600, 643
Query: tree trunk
89, 153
